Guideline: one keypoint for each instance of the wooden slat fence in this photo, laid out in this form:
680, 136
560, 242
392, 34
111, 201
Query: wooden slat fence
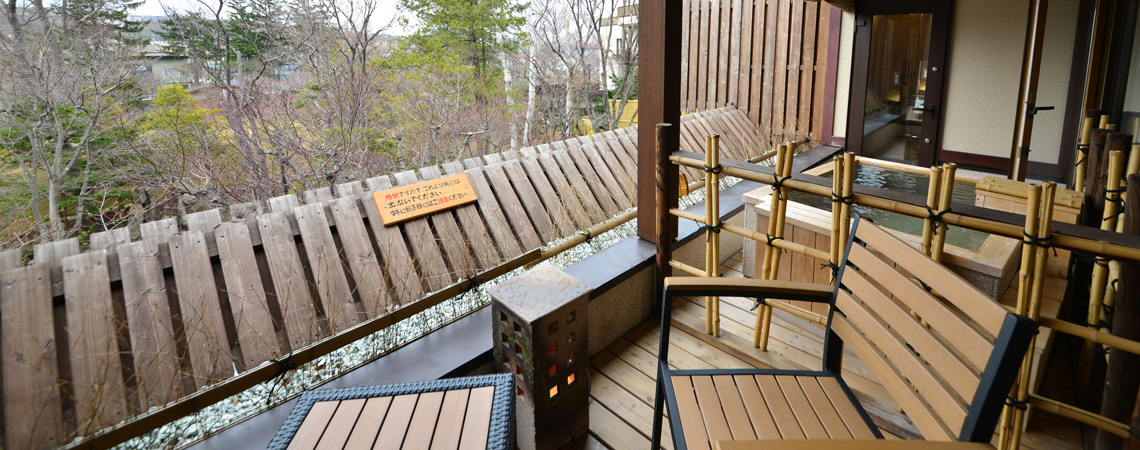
143, 318
765, 57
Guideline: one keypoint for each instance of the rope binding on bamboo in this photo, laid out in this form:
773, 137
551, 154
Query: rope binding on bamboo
714, 170
1116, 200
1084, 149
935, 219
1035, 241
1019, 404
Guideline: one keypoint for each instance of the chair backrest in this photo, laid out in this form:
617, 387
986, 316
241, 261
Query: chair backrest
949, 362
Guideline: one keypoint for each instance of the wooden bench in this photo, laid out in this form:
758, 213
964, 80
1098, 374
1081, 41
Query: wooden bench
457, 413
951, 377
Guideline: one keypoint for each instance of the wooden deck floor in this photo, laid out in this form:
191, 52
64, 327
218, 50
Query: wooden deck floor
622, 376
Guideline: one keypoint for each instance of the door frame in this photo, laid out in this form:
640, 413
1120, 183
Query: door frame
935, 82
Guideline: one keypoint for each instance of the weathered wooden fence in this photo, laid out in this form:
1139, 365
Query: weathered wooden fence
145, 317
766, 57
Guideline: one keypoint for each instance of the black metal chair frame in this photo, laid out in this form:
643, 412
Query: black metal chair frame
984, 410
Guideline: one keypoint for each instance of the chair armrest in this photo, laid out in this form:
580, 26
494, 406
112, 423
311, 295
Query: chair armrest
748, 287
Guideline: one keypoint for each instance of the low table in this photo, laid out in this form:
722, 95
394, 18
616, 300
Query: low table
467, 413
848, 444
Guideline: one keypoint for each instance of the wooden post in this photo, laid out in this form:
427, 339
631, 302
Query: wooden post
665, 198
712, 236
1030, 74
945, 198
1130, 289
659, 82
1024, 288
931, 202
1082, 155
1123, 374
1097, 153
1049, 193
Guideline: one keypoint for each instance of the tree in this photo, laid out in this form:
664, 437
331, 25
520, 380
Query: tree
68, 69
477, 30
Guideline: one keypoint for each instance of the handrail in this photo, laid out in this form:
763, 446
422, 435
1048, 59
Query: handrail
1062, 235
1065, 236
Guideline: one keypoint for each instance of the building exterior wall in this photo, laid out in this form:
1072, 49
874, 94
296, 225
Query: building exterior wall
983, 76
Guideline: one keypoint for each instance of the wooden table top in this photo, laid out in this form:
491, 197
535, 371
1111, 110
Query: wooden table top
452, 419
848, 444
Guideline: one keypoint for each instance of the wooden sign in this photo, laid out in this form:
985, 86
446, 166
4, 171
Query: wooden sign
416, 200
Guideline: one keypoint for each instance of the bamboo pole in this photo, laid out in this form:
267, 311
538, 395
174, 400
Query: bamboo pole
1080, 415
1104, 118
764, 311
932, 203
1024, 288
1083, 149
945, 198
781, 219
1091, 334
1108, 222
712, 236
845, 207
773, 210
1034, 311
1060, 241
836, 192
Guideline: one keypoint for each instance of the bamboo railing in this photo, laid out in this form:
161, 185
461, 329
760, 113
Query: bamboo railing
1037, 232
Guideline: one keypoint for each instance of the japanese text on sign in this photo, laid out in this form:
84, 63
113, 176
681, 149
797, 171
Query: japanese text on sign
416, 200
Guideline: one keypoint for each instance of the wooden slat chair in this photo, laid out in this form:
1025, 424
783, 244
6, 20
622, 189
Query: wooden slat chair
950, 378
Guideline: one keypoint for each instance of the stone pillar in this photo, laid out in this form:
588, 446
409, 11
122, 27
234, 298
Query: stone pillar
540, 321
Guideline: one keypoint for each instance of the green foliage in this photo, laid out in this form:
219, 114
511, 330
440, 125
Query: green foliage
476, 31
254, 27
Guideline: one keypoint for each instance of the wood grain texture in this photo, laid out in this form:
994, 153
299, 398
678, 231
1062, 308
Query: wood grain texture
482, 245
161, 230
325, 264
33, 418
150, 324
110, 239
559, 190
577, 185
9, 259
318, 195
477, 423
248, 304
453, 239
449, 425
394, 254
52, 253
425, 246
341, 424
361, 258
369, 422
528, 198
497, 224
205, 221
529, 234
210, 356
289, 282
97, 380
311, 429
538, 190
